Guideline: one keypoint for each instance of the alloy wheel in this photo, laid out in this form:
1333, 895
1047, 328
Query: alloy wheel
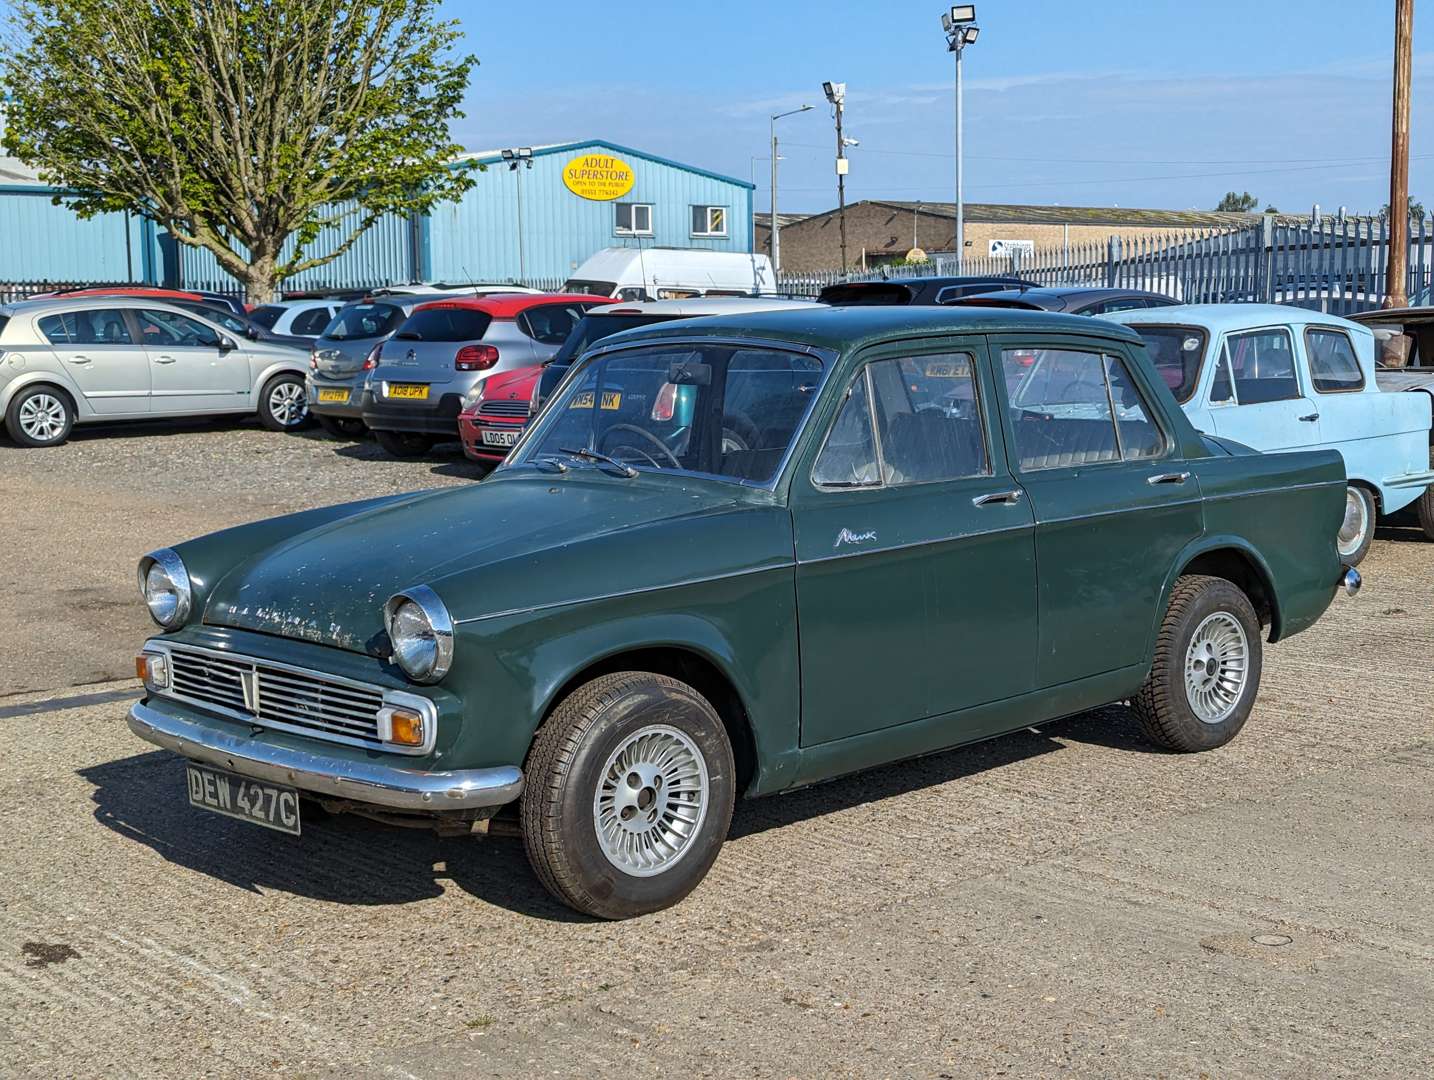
651, 800
288, 403
42, 417
1217, 663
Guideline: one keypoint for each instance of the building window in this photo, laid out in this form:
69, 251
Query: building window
709, 221
634, 219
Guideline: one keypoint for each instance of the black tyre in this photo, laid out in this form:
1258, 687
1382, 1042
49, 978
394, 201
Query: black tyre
629, 791
342, 427
1356, 534
284, 403
404, 444
1425, 506
1208, 658
40, 416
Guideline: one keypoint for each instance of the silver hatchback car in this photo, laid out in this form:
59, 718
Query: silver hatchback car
412, 397
88, 359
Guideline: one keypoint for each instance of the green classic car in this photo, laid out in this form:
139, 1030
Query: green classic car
733, 557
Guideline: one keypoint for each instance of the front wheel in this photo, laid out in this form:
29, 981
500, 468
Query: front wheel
629, 792
1426, 512
404, 444
1357, 531
1206, 670
284, 403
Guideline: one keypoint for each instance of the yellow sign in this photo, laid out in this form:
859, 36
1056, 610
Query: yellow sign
600, 177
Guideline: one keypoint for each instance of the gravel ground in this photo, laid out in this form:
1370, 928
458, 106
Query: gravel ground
1062, 902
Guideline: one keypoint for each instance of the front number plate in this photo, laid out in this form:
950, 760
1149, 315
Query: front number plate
269, 805
416, 391
499, 438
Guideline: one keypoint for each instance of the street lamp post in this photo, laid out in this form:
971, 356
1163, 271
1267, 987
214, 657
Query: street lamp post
523, 155
959, 25
836, 94
776, 232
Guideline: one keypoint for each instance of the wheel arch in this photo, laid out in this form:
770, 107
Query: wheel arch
1236, 560
275, 368
26, 380
692, 663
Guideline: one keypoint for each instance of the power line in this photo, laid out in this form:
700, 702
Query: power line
1120, 161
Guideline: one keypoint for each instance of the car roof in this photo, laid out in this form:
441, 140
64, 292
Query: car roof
845, 328
506, 305
85, 303
307, 302
706, 305
1405, 314
941, 280
1221, 318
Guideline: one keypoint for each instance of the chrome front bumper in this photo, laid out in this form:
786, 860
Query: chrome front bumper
340, 778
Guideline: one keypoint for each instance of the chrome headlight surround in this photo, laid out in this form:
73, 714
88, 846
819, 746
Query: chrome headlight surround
165, 586
421, 633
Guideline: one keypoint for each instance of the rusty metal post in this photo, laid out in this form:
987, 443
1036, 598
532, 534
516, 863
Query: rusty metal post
1396, 281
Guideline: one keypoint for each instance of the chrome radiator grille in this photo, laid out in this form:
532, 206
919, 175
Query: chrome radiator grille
276, 696
503, 408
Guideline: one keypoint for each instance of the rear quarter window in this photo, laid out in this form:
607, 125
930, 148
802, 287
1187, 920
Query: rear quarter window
445, 324
266, 316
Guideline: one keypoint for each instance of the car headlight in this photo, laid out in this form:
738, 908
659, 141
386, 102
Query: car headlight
533, 401
165, 586
421, 631
474, 395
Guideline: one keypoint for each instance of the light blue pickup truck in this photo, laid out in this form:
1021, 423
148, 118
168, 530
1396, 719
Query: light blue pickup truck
1283, 378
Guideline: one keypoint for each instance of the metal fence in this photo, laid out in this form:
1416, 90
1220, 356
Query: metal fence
1333, 264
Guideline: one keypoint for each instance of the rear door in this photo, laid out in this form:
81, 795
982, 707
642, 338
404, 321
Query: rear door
191, 369
916, 584
98, 351
1258, 396
1113, 501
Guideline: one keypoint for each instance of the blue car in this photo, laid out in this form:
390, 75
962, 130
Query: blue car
1283, 378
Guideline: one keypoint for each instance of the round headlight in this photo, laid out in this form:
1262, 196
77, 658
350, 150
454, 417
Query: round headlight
164, 584
421, 632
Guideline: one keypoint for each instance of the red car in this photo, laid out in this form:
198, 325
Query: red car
491, 425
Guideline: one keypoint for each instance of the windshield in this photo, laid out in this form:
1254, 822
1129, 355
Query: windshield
445, 324
1177, 352
364, 321
590, 288
267, 315
863, 293
718, 409
593, 328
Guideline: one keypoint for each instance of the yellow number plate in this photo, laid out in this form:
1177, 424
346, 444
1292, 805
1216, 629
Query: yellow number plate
611, 400
416, 391
333, 395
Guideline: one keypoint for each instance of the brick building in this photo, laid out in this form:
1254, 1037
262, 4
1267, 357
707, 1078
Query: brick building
881, 231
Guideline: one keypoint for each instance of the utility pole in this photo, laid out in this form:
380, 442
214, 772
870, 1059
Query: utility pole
959, 26
523, 155
776, 230
1395, 286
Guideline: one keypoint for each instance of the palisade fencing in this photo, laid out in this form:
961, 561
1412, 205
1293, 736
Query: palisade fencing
1332, 264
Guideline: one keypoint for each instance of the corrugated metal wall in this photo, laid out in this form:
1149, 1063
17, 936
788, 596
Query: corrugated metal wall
43, 242
477, 238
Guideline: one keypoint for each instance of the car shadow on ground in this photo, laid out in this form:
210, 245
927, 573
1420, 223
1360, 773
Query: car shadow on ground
345, 859
1401, 533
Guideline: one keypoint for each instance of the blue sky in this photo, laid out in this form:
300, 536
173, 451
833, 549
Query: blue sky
1153, 103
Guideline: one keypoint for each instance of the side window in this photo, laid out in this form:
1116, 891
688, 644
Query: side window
550, 323
1222, 390
927, 418
1333, 365
162, 329
632, 219
1263, 365
1061, 401
1129, 303
103, 327
310, 323
848, 457
709, 221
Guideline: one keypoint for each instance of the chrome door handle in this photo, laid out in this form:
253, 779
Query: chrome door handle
1311, 418
79, 359
164, 359
1168, 478
1004, 498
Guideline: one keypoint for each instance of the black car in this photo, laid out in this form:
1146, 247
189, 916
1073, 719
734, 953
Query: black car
1073, 300
915, 290
241, 325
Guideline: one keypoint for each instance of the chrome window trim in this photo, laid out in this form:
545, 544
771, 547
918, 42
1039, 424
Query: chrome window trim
401, 698
827, 358
438, 620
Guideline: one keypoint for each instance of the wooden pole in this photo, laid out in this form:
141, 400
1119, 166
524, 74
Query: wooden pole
1398, 274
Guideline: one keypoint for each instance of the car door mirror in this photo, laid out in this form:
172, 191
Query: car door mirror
252, 333
226, 343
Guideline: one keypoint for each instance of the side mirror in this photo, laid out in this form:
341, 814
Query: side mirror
251, 333
226, 344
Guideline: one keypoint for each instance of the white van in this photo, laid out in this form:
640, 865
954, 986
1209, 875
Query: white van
658, 273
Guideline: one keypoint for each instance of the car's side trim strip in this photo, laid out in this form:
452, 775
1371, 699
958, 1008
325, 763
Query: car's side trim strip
1025, 526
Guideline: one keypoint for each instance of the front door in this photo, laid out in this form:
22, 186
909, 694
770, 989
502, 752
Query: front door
99, 353
1114, 503
191, 370
916, 586
1257, 397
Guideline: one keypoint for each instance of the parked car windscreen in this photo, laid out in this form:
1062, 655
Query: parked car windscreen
720, 410
877, 293
266, 316
445, 324
1177, 352
592, 288
364, 321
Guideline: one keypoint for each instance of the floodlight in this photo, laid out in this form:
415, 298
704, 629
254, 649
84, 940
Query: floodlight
963, 13
971, 32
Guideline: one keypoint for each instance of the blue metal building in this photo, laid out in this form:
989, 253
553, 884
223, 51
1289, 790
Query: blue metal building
628, 198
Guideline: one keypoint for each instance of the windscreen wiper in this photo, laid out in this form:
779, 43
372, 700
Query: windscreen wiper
590, 454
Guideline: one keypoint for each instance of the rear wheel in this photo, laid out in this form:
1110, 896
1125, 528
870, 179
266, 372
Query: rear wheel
284, 403
1206, 670
40, 416
404, 444
1426, 512
1357, 531
629, 791
342, 427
